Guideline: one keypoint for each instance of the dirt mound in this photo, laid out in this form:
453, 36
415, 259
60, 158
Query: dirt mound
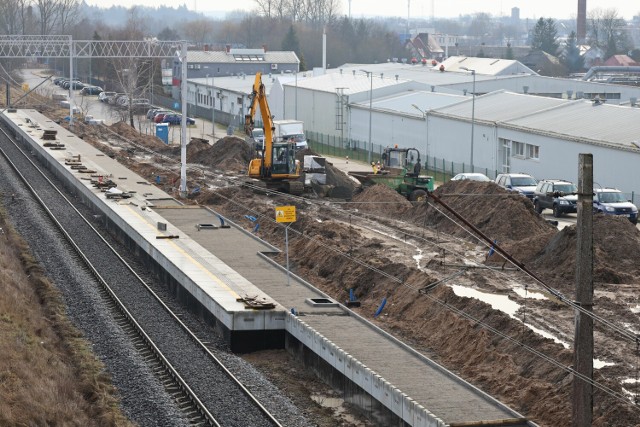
498, 213
380, 199
151, 141
229, 154
614, 238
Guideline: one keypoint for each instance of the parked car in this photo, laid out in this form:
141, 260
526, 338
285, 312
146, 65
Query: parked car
557, 195
139, 105
611, 201
257, 136
91, 90
471, 177
159, 117
176, 119
113, 100
59, 80
75, 85
521, 183
155, 110
104, 96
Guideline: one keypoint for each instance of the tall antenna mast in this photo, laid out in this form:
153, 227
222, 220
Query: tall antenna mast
433, 10
349, 9
408, 15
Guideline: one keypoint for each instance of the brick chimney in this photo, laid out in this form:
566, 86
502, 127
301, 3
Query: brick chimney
206, 48
264, 47
228, 48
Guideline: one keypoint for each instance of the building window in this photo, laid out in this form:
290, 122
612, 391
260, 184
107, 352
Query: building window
523, 150
517, 149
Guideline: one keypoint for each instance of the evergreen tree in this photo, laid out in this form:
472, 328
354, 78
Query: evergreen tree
291, 42
509, 52
571, 57
545, 36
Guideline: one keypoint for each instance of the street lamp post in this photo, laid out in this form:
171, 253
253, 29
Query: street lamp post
370, 75
426, 126
213, 108
473, 109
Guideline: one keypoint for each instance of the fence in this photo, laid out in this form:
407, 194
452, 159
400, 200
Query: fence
441, 169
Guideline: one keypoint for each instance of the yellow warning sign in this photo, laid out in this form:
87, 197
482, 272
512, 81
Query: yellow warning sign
25, 87
285, 214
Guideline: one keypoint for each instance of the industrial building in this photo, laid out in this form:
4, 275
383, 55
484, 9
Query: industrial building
521, 122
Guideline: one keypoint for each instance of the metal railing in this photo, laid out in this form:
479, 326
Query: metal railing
441, 169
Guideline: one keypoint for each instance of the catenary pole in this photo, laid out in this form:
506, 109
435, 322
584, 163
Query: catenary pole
583, 342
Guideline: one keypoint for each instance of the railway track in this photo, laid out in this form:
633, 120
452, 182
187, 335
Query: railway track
205, 391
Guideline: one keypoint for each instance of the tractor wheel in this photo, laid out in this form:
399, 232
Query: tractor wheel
418, 196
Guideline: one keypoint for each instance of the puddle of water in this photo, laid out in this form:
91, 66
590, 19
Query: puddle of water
527, 294
504, 304
418, 257
599, 364
497, 302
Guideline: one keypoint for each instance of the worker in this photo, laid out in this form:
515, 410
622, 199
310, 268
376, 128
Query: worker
374, 167
378, 167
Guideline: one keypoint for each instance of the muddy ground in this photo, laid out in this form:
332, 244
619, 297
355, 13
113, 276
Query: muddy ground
422, 259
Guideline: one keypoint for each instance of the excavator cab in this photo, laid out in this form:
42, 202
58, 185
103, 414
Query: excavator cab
275, 166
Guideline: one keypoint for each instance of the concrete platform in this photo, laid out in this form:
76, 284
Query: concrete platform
211, 268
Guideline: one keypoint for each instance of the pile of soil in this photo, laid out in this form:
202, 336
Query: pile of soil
230, 154
130, 133
499, 214
614, 238
380, 200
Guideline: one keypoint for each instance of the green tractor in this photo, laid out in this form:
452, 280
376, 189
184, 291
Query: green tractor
400, 171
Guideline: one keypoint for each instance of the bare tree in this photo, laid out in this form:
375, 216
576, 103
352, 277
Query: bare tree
265, 7
199, 31
11, 12
608, 30
48, 11
69, 14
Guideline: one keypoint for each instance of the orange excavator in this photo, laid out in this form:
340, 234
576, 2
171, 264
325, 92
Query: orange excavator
275, 165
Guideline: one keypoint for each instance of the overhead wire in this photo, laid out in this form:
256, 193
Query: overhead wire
457, 311
623, 332
460, 312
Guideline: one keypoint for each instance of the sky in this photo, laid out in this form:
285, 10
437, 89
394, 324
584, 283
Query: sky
557, 9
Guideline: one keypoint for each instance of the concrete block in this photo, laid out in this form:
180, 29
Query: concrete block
377, 387
274, 320
349, 365
340, 359
397, 402
247, 320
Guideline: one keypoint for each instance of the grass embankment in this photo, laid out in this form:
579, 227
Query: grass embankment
48, 374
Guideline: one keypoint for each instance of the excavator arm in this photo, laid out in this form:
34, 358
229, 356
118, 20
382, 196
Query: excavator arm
259, 99
277, 167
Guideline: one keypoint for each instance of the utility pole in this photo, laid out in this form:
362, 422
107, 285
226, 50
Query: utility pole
583, 342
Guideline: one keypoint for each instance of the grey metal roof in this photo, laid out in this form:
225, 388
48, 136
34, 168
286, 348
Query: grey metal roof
586, 121
500, 106
486, 66
351, 82
404, 102
199, 56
